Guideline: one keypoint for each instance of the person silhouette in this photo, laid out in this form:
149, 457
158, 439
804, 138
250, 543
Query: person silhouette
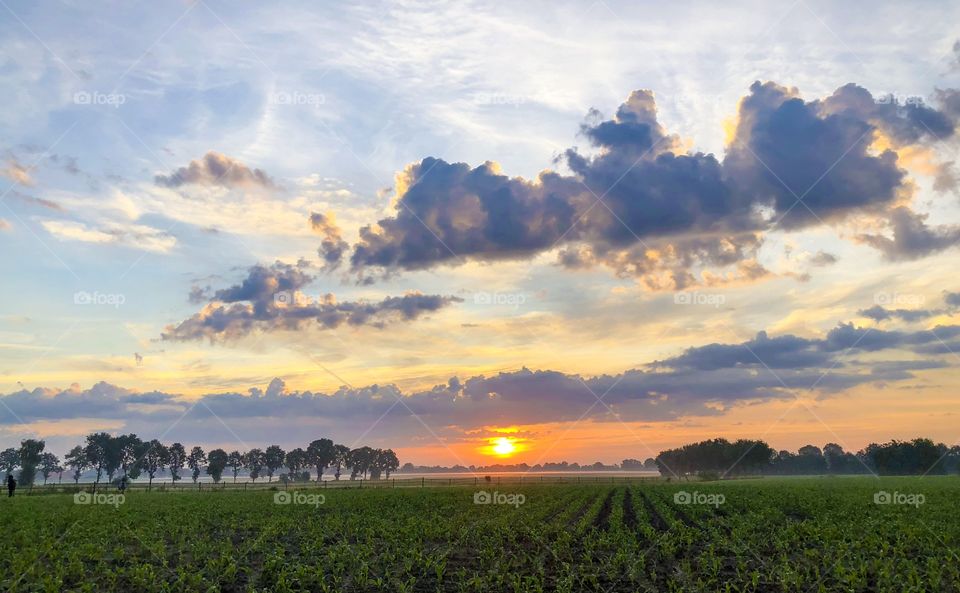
11, 485
123, 485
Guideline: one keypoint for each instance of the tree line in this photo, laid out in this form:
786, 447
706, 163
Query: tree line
916, 457
127, 456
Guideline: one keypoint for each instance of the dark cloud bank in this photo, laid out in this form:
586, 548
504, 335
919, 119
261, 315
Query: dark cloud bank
792, 164
700, 381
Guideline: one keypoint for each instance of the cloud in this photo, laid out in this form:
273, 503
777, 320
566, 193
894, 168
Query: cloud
270, 299
332, 247
645, 208
17, 173
879, 313
216, 169
701, 381
132, 235
43, 203
822, 258
912, 237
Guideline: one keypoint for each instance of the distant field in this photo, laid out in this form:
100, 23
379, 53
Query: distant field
791, 534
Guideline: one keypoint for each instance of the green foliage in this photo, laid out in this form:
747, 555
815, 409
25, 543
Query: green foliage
770, 534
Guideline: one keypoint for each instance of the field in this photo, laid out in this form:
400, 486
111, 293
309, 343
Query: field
790, 534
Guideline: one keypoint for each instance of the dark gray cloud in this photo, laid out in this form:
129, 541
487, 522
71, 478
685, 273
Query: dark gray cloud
912, 237
270, 298
332, 246
793, 352
784, 148
663, 211
879, 313
701, 381
216, 169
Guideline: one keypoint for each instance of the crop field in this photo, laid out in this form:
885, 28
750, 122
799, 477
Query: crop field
791, 534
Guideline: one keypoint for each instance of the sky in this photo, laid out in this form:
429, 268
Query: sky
597, 230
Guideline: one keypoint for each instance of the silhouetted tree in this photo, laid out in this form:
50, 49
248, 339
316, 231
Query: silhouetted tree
235, 461
76, 459
295, 461
341, 459
216, 463
273, 459
153, 459
176, 460
321, 454
255, 462
49, 464
195, 461
31, 453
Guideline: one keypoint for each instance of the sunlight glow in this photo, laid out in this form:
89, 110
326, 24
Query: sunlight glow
504, 447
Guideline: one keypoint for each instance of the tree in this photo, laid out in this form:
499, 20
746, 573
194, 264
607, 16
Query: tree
341, 459
383, 461
255, 462
129, 449
31, 452
216, 463
321, 454
154, 459
631, 464
97, 451
273, 459
296, 460
360, 461
195, 461
9, 460
176, 459
76, 459
49, 463
235, 460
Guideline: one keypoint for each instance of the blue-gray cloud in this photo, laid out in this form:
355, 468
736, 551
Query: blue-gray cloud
694, 208
216, 169
270, 299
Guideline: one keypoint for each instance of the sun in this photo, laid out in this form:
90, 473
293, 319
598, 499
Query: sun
504, 447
